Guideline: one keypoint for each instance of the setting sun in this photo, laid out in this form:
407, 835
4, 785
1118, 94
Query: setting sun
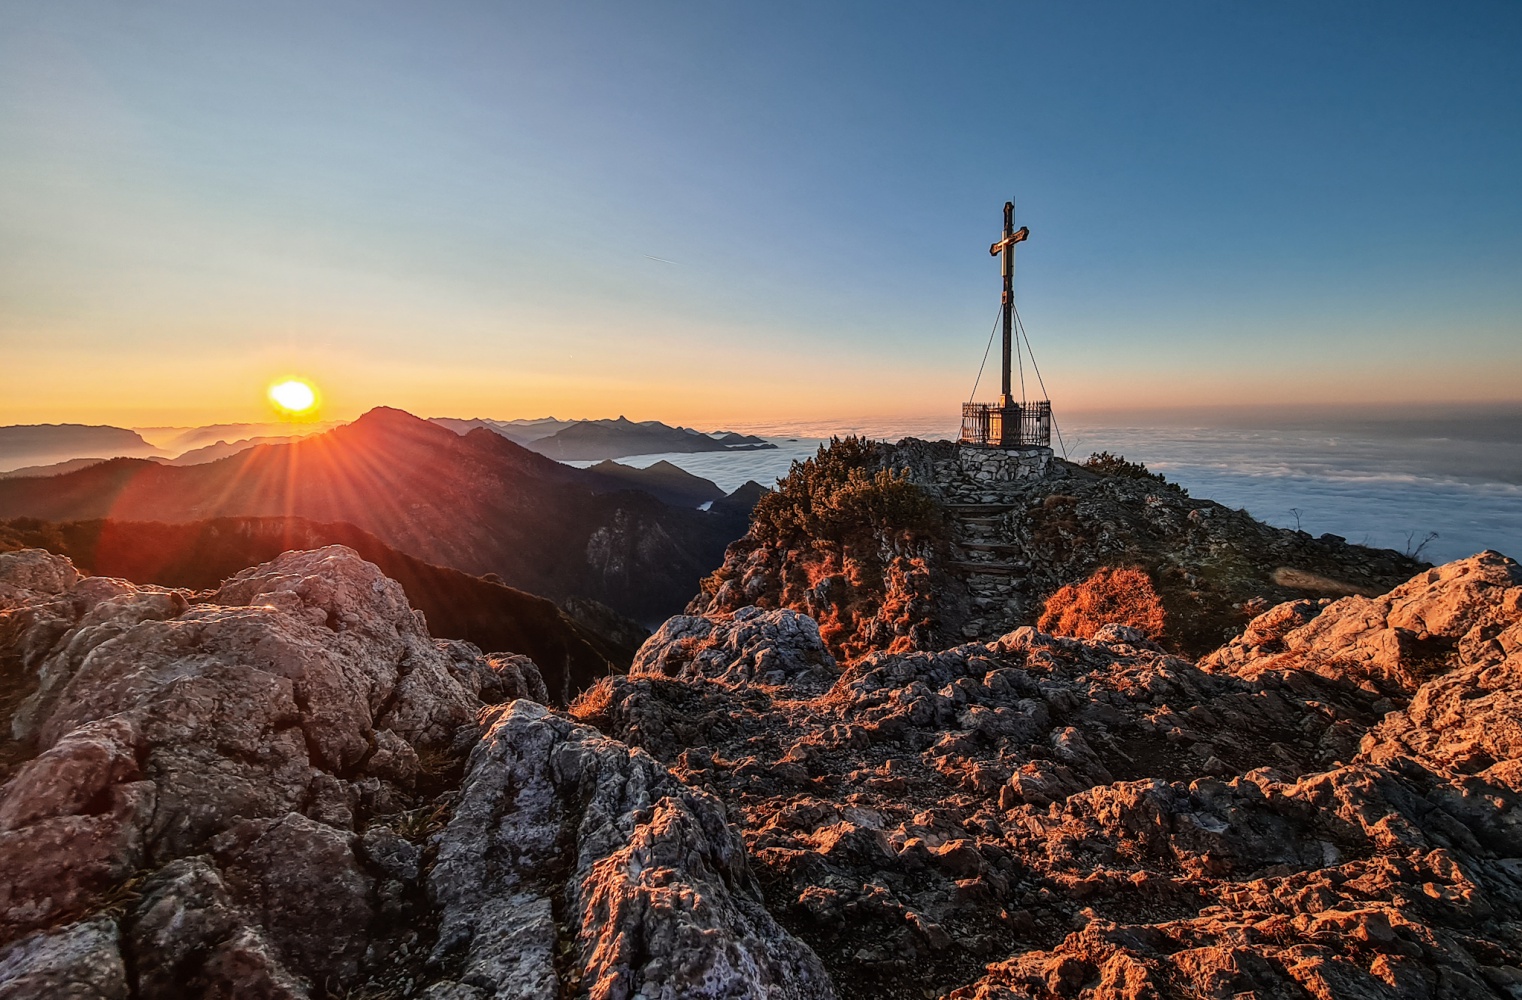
293, 397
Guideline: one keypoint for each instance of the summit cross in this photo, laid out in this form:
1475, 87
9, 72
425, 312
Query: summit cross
1006, 246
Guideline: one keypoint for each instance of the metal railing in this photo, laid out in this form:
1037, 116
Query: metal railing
1015, 426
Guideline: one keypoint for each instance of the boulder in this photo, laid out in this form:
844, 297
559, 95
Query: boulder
29, 574
778, 647
254, 727
658, 897
1391, 644
80, 961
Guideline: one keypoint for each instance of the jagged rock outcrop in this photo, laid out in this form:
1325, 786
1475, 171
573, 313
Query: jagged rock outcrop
79, 962
199, 555
253, 793
1043, 817
257, 730
575, 866
31, 574
752, 646
1003, 547
1388, 644
289, 790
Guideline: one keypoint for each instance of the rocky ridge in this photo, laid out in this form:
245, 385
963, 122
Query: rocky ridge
1326, 807
1007, 544
286, 788
265, 793
573, 647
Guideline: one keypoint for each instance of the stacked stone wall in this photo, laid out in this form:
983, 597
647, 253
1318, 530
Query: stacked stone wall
994, 465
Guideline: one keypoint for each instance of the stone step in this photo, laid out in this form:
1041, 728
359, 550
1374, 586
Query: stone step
990, 568
987, 546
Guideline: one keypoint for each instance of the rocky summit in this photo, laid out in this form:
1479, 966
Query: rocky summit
286, 788
921, 545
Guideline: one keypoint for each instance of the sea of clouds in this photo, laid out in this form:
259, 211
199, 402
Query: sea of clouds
1387, 481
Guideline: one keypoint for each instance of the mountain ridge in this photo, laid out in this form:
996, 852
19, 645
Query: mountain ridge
478, 503
24, 445
287, 787
600, 439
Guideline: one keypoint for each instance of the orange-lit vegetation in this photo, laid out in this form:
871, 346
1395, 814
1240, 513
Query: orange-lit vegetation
841, 496
846, 542
1123, 596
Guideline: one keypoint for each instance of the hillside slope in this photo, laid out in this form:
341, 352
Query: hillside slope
477, 503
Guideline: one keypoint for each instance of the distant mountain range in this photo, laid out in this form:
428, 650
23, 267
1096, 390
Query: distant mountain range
675, 486
26, 445
179, 440
476, 502
596, 440
521, 431
51, 449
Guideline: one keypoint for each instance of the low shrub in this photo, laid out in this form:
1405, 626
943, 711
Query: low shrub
1121, 596
1107, 464
840, 495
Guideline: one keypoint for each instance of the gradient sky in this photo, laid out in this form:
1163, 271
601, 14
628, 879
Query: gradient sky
453, 207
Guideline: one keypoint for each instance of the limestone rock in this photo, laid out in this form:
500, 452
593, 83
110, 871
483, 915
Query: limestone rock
258, 726
655, 883
31, 573
496, 678
751, 646
1389, 644
268, 799
190, 939
78, 962
1100, 818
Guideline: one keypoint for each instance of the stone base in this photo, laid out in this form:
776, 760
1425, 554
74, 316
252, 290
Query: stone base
1000, 465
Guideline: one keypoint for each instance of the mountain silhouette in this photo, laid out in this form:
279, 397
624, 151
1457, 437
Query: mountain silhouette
476, 502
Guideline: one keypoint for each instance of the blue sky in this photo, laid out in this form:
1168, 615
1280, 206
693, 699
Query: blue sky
454, 207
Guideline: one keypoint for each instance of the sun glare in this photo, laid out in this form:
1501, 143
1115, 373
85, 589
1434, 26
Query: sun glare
293, 397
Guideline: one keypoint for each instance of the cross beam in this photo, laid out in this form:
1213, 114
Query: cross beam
1006, 246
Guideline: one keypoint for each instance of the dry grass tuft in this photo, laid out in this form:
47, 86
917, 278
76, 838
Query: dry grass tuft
591, 706
1120, 596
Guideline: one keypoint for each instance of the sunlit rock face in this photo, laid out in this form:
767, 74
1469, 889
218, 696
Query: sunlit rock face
1327, 806
255, 731
285, 788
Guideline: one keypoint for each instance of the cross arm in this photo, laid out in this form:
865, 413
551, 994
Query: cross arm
1018, 236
